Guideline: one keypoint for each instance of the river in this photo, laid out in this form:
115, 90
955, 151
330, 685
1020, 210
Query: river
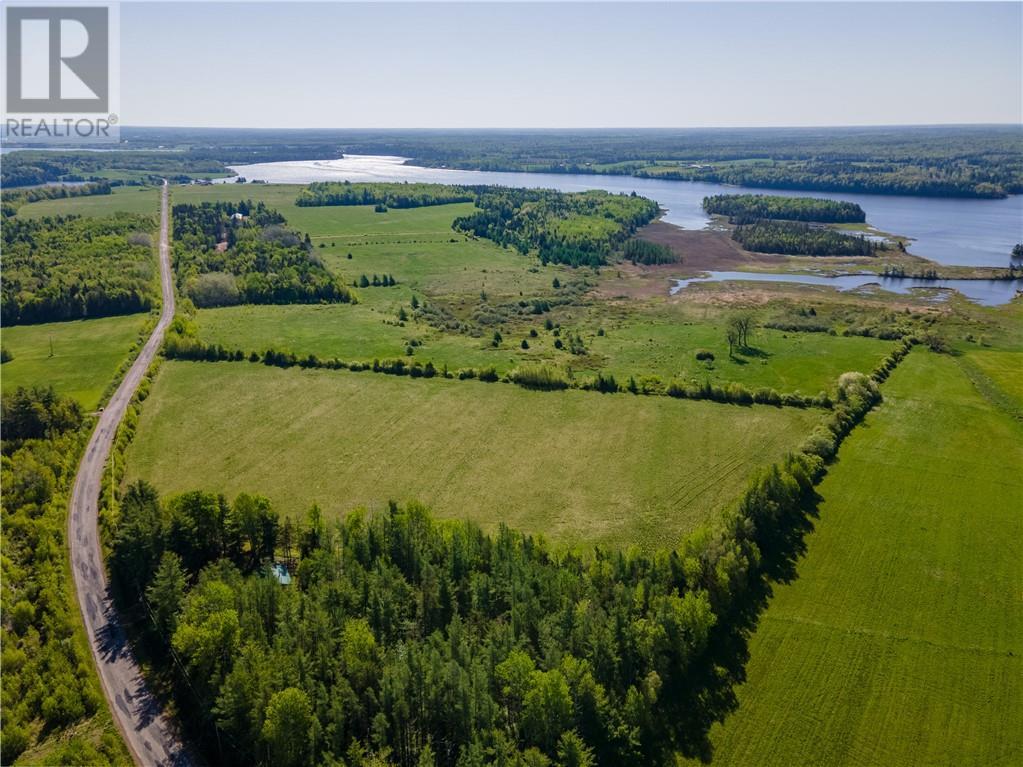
953, 231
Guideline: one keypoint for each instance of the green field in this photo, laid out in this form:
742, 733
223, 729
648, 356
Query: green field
363, 332
664, 342
901, 641
637, 344
130, 199
575, 466
77, 358
1005, 368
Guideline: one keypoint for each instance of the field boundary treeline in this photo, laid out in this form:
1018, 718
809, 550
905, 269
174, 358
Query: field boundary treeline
536, 377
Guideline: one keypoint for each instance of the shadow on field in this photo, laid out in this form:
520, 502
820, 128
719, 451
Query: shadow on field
715, 694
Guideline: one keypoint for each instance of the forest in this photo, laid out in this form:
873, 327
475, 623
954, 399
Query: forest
48, 683
66, 267
952, 177
648, 253
390, 195
577, 229
798, 239
415, 642
744, 207
229, 253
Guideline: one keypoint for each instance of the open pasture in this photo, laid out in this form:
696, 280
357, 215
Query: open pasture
78, 358
664, 342
901, 640
129, 199
578, 467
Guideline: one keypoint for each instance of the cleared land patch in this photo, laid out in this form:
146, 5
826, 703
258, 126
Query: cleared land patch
575, 466
85, 355
901, 641
665, 344
130, 199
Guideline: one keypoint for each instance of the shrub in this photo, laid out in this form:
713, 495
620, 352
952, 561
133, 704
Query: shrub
541, 377
213, 289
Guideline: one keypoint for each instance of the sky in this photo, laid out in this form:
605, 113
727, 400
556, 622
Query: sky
572, 65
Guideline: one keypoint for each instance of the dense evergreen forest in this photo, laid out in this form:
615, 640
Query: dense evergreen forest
67, 267
48, 684
228, 253
579, 228
744, 207
648, 253
798, 239
390, 195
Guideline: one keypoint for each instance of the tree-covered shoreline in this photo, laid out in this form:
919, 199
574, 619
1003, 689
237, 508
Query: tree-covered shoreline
746, 207
573, 228
798, 239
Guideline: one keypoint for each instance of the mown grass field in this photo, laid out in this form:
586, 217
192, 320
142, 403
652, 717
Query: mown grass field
130, 199
575, 466
901, 641
85, 355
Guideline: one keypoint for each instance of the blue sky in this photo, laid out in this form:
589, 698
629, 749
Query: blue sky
426, 65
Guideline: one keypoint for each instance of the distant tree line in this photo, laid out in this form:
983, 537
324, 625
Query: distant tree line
797, 239
241, 252
578, 229
389, 195
194, 159
746, 207
969, 161
68, 267
958, 177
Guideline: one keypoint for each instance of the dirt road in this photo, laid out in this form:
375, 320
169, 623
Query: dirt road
137, 713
